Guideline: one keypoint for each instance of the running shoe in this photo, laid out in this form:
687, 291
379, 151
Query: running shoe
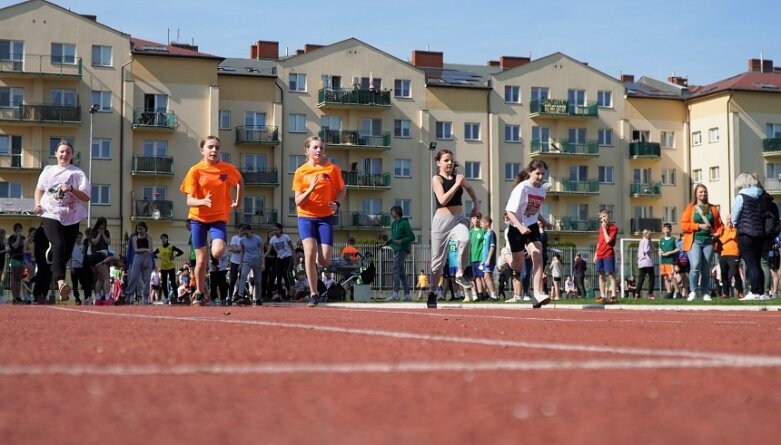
407, 297
540, 300
393, 297
198, 299
313, 300
463, 282
514, 299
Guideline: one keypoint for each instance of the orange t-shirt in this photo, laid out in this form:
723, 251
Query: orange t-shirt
217, 179
351, 253
329, 183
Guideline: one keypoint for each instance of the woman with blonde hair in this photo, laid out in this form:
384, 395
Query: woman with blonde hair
700, 224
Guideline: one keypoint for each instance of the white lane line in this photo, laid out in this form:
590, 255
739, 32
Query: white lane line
118, 370
445, 338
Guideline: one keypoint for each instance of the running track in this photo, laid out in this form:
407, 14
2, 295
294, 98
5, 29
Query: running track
385, 375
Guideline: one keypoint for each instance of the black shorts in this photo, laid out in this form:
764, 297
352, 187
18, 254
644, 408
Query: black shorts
518, 242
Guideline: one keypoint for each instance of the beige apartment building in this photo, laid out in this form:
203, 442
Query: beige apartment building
633, 147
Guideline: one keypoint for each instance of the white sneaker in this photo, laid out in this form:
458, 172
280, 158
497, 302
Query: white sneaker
463, 282
514, 299
527, 298
764, 297
393, 297
706, 297
692, 296
541, 299
749, 297
407, 297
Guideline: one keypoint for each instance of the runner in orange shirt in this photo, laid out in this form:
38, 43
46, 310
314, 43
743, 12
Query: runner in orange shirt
319, 190
208, 187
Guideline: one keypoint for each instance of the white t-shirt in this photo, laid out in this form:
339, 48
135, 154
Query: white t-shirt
235, 256
67, 208
281, 245
525, 201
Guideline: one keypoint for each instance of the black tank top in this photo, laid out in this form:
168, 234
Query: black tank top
448, 184
142, 243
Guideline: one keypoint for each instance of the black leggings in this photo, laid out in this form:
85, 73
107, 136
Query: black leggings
168, 277
649, 272
62, 238
283, 275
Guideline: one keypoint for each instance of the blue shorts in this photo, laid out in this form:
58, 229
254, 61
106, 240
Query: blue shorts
489, 269
606, 265
321, 229
476, 272
452, 271
199, 231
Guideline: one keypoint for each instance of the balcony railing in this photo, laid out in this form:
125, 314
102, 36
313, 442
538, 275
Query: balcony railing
42, 114
562, 108
145, 209
353, 139
358, 179
564, 148
771, 147
639, 190
257, 134
637, 225
40, 65
17, 206
165, 120
570, 224
26, 160
360, 220
772, 185
327, 97
267, 176
152, 165
573, 187
645, 150
258, 218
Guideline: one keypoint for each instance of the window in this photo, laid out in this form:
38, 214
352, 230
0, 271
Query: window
512, 133
668, 176
697, 138
579, 212
713, 173
296, 123
10, 189
295, 161
331, 81
605, 99
372, 165
541, 137
297, 82
225, 156
12, 50
331, 123
713, 135
471, 170
401, 88
609, 207
101, 55
336, 160
253, 205
153, 192
401, 128
773, 171
371, 131
667, 139
471, 131
539, 94
225, 120
155, 147
371, 206
101, 148
576, 97
670, 215
511, 170
641, 135
11, 97
606, 174
291, 206
444, 130
402, 168
773, 130
254, 119
156, 103
605, 137
254, 162
644, 212
578, 173
64, 53
102, 99
63, 98
468, 206
11, 145
375, 84
512, 94
697, 175
101, 195
406, 206
641, 175
577, 136
54, 141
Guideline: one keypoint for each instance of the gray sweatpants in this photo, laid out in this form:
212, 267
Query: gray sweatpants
443, 229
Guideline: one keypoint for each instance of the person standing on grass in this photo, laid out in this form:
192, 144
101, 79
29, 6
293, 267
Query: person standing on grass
747, 215
167, 253
3, 252
579, 268
319, 191
16, 244
476, 235
556, 273
488, 261
208, 186
59, 195
668, 253
423, 283
605, 258
730, 260
645, 264
701, 224
401, 238
523, 211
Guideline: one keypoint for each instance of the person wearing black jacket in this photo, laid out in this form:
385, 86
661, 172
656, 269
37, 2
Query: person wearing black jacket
579, 270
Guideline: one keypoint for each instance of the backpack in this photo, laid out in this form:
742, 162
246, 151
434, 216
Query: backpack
683, 259
770, 220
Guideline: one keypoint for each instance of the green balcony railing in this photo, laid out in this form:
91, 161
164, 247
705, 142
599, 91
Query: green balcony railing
352, 219
145, 209
653, 190
268, 176
42, 113
637, 225
25, 160
352, 138
645, 150
257, 134
258, 218
569, 186
569, 224
40, 65
353, 98
771, 146
165, 120
152, 165
563, 108
366, 180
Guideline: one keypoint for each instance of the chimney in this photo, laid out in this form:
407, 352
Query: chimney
492, 63
265, 49
427, 59
509, 62
299, 52
680, 81
627, 78
186, 46
311, 47
760, 65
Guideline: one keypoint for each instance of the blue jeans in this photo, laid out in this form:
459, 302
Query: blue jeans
700, 257
399, 271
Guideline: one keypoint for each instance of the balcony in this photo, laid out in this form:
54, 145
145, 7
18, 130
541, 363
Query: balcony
154, 120
355, 98
639, 190
152, 165
17, 206
771, 147
354, 141
266, 177
567, 224
645, 150
37, 114
773, 185
36, 65
564, 149
258, 218
257, 134
362, 221
27, 161
144, 209
562, 109
637, 225
570, 187
361, 180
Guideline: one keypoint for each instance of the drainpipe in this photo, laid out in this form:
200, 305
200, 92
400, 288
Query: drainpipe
489, 183
122, 144
282, 174
730, 155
